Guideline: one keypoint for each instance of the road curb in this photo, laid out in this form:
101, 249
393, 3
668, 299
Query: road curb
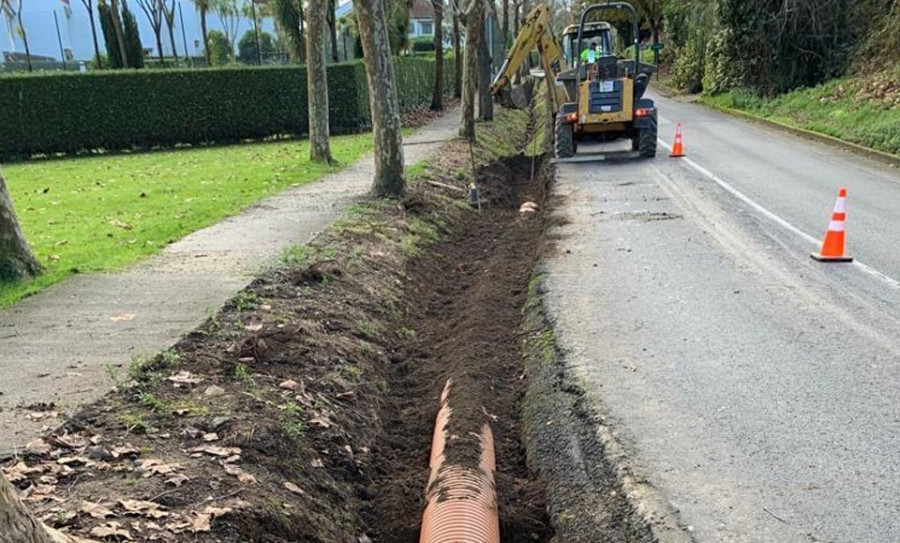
881, 156
593, 491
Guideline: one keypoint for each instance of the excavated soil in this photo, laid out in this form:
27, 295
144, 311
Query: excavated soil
467, 298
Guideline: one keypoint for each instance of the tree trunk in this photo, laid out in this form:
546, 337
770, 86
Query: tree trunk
158, 33
485, 100
332, 27
205, 37
120, 33
473, 20
316, 83
437, 95
90, 11
172, 40
16, 259
17, 525
515, 16
505, 24
389, 178
457, 57
24, 36
302, 32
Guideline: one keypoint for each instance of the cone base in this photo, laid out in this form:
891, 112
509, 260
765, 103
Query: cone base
673, 155
820, 258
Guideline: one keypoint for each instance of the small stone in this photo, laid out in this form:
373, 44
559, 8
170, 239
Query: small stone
218, 422
214, 390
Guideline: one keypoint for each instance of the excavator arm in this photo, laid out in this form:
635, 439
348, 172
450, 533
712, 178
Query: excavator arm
534, 34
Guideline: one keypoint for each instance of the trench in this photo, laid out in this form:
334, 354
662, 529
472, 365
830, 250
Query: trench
465, 323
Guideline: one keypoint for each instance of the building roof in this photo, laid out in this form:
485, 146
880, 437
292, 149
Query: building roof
422, 9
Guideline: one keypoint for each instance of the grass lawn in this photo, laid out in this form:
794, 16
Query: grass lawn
101, 213
863, 110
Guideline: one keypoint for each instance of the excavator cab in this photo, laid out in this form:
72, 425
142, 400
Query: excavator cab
605, 94
595, 95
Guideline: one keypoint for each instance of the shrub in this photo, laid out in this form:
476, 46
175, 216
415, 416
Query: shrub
423, 44
249, 53
219, 50
68, 113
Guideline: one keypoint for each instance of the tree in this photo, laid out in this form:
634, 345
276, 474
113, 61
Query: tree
317, 83
218, 48
89, 6
389, 178
504, 25
250, 51
332, 27
289, 18
485, 99
230, 17
18, 525
169, 14
652, 11
437, 95
203, 7
134, 48
114, 54
14, 23
472, 17
153, 9
120, 31
17, 262
457, 50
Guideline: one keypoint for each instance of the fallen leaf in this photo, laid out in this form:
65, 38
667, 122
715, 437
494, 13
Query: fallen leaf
111, 529
71, 441
177, 480
184, 378
241, 475
38, 446
152, 466
254, 327
212, 436
290, 384
144, 508
215, 450
96, 510
322, 421
125, 450
317, 463
293, 488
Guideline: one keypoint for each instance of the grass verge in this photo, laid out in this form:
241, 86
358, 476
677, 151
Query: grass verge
862, 110
95, 214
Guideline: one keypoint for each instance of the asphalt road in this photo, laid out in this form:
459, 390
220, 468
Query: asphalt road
754, 388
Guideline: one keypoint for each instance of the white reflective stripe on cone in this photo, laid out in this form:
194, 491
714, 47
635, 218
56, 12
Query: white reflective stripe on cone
836, 226
841, 205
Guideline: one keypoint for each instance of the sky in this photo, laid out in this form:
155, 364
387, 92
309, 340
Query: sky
75, 29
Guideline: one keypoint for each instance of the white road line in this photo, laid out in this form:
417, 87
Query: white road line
775, 218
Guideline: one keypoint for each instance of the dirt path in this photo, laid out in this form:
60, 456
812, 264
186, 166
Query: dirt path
56, 344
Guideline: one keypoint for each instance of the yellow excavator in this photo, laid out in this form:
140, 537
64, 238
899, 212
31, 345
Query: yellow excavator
594, 95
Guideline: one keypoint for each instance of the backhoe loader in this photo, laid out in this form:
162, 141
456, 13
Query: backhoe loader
594, 95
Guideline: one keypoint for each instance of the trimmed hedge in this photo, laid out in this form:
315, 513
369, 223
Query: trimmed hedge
69, 113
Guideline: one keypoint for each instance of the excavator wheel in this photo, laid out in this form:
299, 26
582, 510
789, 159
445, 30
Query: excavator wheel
646, 139
564, 144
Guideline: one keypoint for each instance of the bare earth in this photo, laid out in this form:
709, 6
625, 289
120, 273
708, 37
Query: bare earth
55, 344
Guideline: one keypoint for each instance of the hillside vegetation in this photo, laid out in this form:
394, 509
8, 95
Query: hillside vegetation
824, 65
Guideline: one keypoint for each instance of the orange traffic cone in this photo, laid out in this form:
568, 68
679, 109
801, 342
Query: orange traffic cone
678, 148
833, 244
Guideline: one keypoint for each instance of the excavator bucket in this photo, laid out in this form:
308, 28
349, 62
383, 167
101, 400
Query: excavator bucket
521, 95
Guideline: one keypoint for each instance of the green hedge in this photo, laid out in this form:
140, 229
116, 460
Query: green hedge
68, 113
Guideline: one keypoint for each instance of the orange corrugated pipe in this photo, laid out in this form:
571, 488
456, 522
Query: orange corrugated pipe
461, 500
